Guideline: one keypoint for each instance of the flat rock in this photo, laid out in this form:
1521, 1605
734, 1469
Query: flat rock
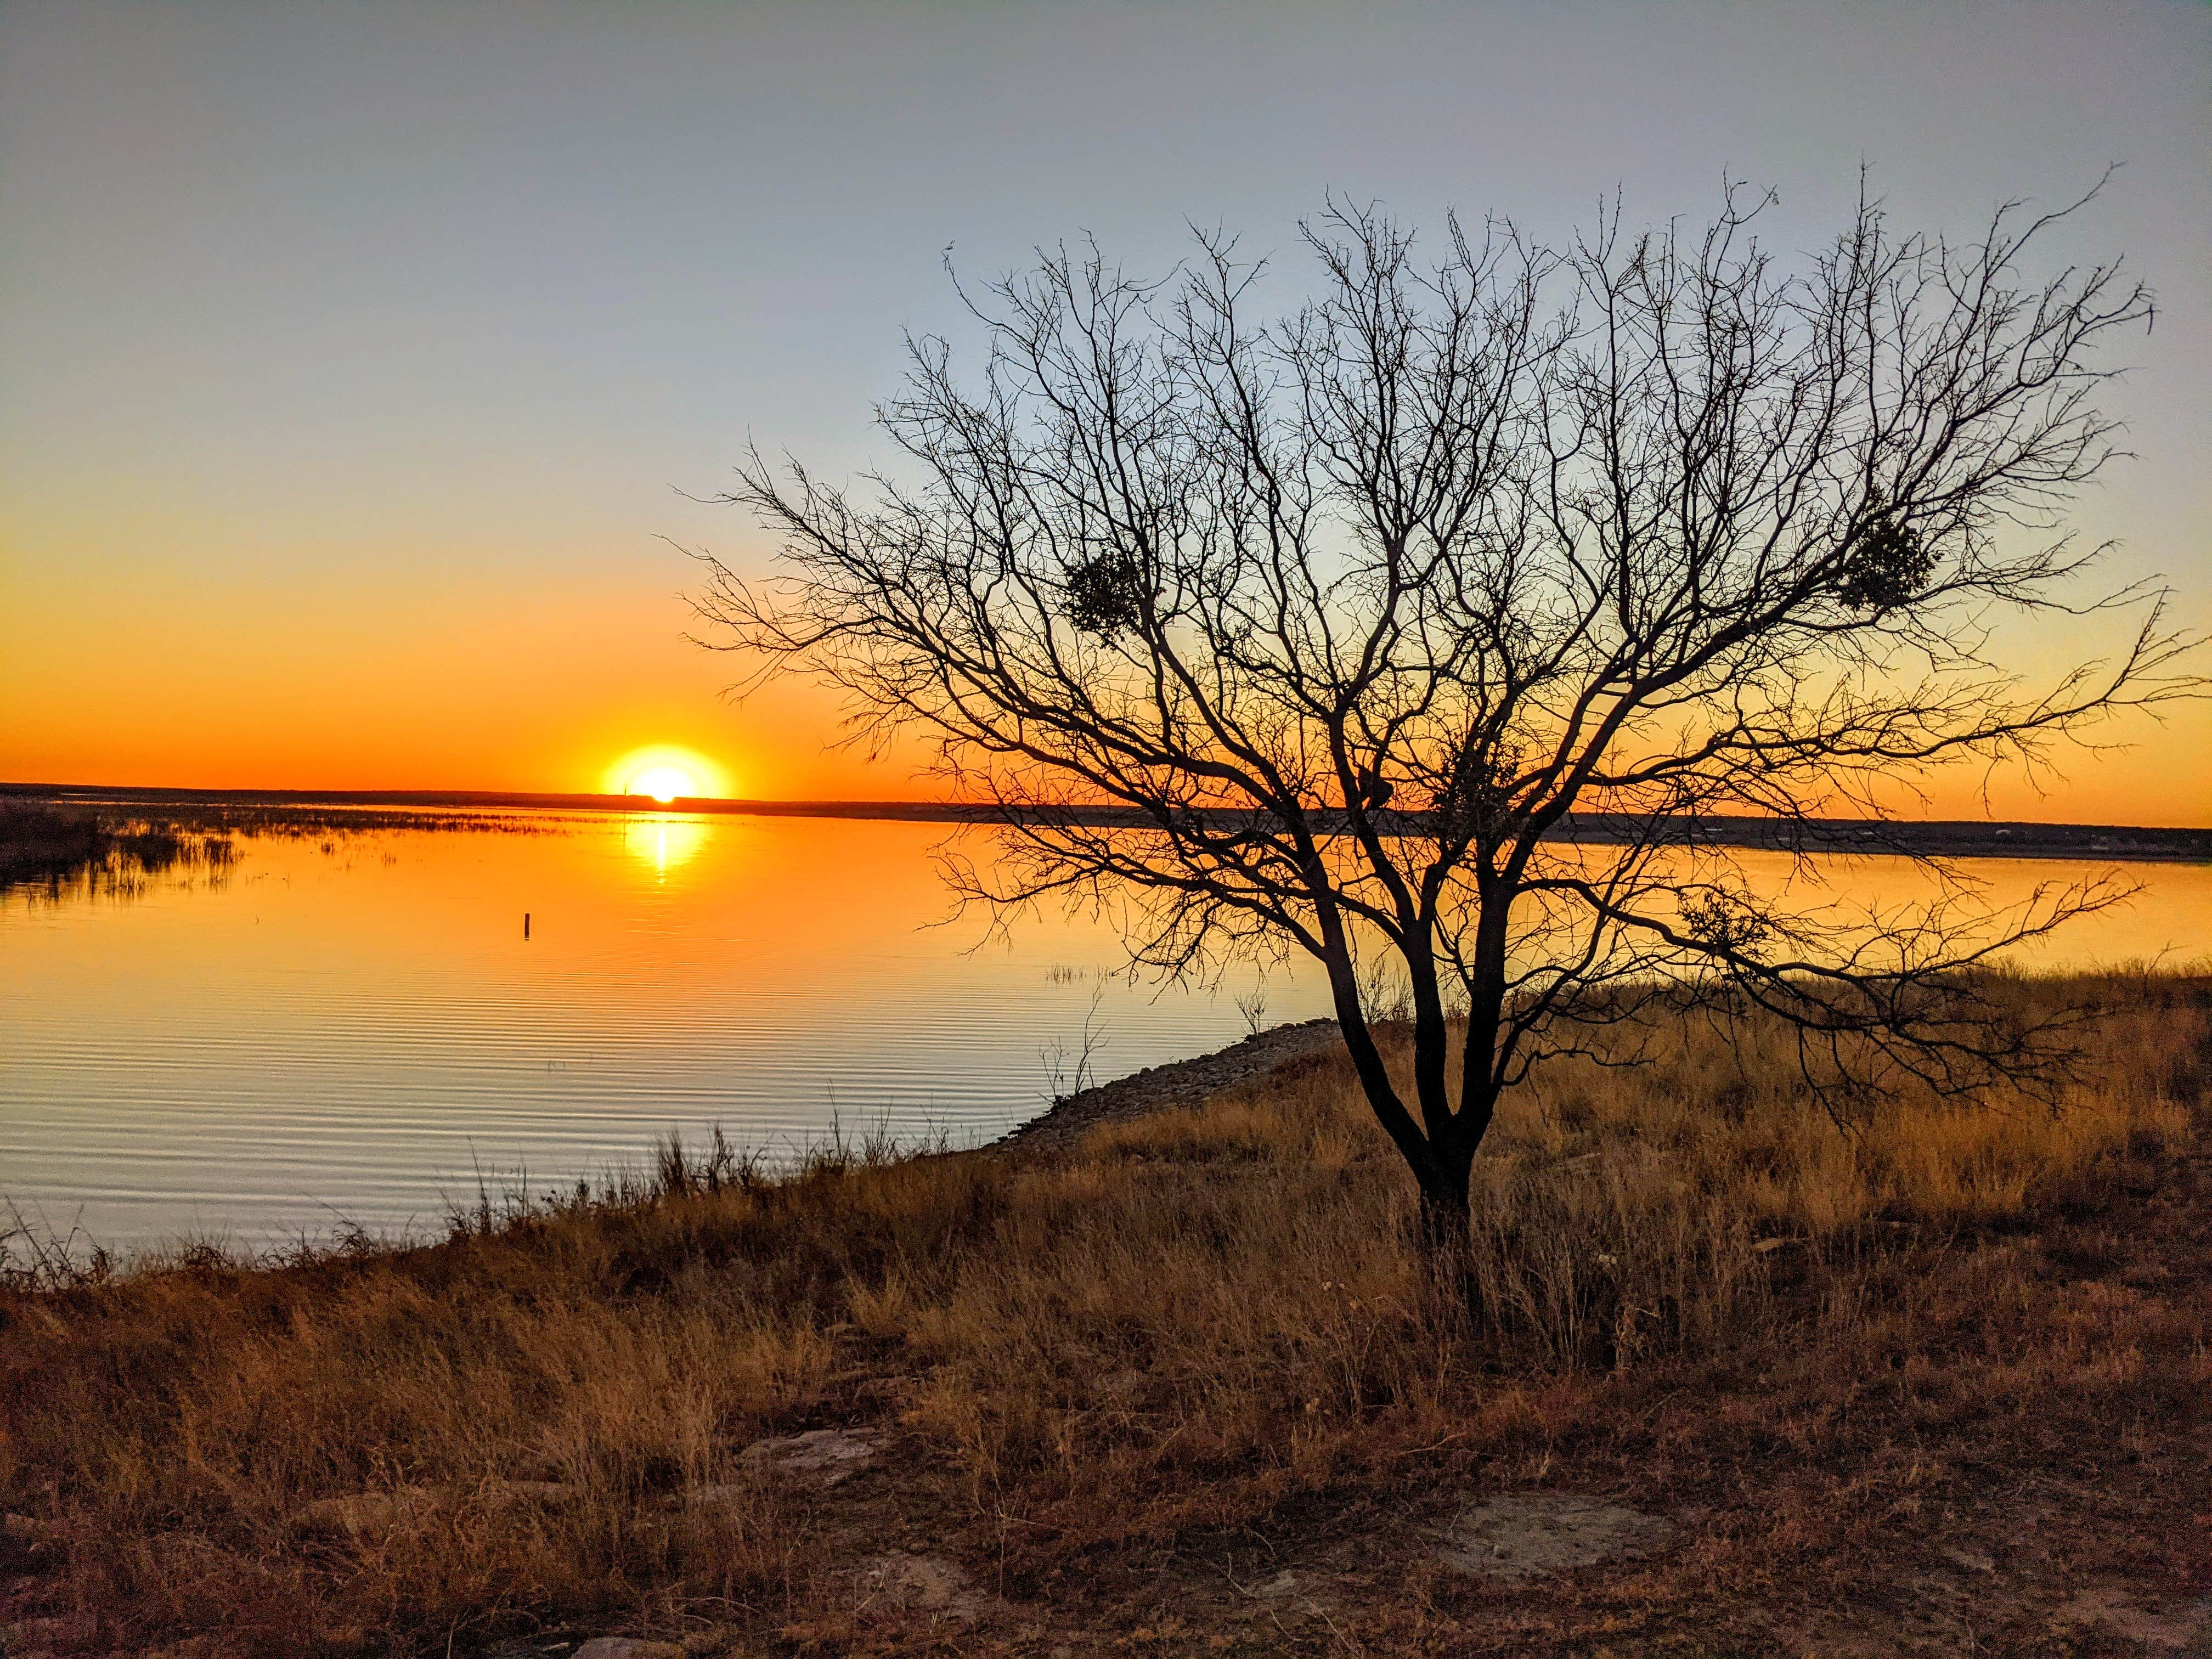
828, 1455
1280, 1599
1181, 1083
1523, 1534
926, 1584
629, 1646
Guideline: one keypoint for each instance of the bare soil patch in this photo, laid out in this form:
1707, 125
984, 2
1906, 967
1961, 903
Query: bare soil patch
1522, 1534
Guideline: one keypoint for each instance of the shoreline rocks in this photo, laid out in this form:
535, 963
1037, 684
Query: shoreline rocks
1158, 1088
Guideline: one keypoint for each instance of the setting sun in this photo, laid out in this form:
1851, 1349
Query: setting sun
663, 783
665, 773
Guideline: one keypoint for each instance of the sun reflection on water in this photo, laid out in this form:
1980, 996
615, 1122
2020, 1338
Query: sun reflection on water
666, 841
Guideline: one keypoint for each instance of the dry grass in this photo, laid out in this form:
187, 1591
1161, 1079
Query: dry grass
1097, 1378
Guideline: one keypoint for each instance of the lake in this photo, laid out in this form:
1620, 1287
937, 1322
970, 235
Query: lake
357, 1035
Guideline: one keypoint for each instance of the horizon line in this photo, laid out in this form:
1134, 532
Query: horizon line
908, 807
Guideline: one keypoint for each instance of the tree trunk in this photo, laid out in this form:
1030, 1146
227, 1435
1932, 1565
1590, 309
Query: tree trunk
1439, 1147
1445, 1215
1444, 1230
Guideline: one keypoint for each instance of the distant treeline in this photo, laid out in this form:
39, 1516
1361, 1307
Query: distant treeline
296, 812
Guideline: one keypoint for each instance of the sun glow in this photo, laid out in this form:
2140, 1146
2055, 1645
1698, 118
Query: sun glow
663, 783
665, 773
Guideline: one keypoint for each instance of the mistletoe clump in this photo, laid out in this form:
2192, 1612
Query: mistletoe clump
1888, 562
1106, 594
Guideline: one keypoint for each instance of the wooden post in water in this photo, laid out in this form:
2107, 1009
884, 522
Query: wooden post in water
526, 924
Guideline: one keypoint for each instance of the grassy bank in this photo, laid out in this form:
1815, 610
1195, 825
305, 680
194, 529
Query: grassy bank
1931, 1383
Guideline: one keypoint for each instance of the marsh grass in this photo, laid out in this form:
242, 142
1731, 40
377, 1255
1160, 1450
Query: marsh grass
54, 853
1197, 1320
335, 823
50, 851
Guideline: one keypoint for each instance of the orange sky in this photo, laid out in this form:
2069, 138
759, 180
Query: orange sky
336, 684
342, 683
172, 642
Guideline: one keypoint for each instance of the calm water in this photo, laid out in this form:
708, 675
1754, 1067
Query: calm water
351, 1036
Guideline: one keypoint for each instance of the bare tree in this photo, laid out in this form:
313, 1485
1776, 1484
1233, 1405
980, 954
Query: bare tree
1435, 624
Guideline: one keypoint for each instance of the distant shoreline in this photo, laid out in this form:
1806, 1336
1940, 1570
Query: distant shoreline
1949, 838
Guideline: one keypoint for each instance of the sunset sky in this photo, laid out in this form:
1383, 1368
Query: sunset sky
358, 362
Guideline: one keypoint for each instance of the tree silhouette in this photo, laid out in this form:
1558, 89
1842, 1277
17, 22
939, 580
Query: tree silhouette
1429, 627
